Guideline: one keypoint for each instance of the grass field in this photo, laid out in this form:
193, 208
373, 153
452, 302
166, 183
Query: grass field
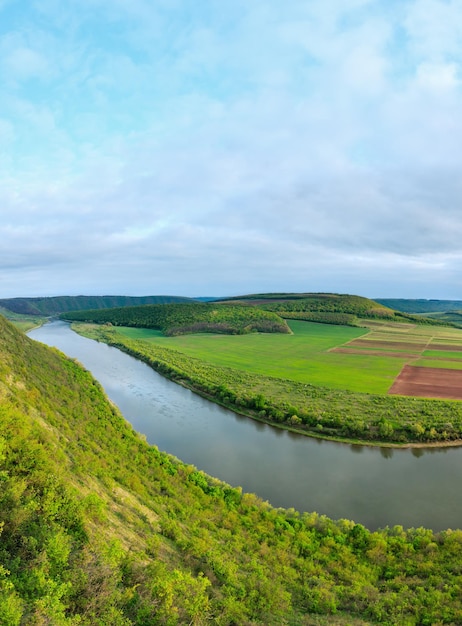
308, 355
303, 356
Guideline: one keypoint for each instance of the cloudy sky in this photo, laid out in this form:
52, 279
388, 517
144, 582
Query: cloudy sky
220, 147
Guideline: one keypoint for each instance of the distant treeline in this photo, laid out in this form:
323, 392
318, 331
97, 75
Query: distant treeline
61, 304
421, 306
177, 319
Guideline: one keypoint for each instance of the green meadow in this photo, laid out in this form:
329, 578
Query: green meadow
303, 356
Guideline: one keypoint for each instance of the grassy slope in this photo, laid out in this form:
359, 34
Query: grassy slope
23, 322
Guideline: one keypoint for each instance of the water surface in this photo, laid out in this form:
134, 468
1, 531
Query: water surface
373, 486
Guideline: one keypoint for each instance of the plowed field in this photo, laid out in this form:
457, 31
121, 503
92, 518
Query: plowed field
428, 382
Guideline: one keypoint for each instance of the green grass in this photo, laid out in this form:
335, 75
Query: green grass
440, 354
22, 321
440, 363
303, 356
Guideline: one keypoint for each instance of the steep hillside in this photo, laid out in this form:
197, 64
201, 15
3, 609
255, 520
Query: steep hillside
100, 528
60, 304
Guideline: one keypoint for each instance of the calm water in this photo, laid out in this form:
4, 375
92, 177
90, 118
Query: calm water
373, 486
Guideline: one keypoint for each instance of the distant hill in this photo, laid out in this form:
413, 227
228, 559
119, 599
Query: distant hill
190, 317
421, 306
241, 314
328, 308
318, 307
344, 303
62, 304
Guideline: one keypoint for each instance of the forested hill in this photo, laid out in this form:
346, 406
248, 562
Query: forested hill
61, 304
97, 527
177, 319
315, 302
243, 314
330, 308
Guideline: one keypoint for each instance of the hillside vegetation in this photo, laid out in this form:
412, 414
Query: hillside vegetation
327, 308
59, 304
176, 319
319, 302
22, 321
100, 528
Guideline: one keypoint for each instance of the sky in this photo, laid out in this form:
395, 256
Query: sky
225, 147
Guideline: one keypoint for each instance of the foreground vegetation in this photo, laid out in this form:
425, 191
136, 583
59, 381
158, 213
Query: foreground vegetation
100, 528
312, 409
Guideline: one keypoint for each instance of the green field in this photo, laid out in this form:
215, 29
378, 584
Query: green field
308, 354
304, 356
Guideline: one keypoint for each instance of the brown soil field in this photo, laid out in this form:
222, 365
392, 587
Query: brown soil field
415, 347
386, 353
428, 382
444, 347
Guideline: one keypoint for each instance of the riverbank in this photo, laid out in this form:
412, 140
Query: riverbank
331, 414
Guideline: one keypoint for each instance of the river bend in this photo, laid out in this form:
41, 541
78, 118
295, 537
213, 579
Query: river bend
372, 486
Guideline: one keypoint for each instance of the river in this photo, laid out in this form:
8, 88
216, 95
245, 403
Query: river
373, 486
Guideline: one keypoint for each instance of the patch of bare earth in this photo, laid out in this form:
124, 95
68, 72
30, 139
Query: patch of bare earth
398, 345
385, 353
428, 382
445, 347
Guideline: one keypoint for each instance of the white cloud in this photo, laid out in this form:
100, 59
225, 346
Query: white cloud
438, 76
24, 63
434, 28
295, 146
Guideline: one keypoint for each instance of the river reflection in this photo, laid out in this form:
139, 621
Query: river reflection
373, 486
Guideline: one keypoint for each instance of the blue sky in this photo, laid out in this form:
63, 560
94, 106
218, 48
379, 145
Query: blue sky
223, 147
